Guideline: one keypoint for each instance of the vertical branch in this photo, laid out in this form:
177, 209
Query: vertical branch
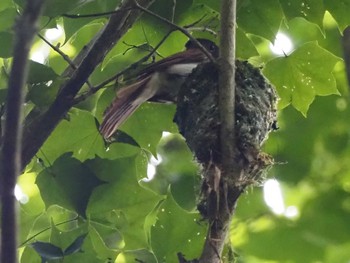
11, 152
227, 88
224, 187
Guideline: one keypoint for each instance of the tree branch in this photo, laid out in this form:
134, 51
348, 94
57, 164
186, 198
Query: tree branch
227, 87
37, 129
26, 28
228, 174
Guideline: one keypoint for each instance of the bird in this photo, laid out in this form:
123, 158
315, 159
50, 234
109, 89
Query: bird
159, 81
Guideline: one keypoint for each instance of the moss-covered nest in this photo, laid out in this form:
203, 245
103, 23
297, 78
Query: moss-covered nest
198, 119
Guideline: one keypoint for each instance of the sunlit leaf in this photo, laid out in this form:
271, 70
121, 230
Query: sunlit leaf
140, 255
100, 246
312, 10
338, 9
302, 75
108, 231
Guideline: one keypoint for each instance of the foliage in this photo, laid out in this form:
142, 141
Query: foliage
85, 196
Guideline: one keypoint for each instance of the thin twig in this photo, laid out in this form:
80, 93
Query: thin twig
74, 16
45, 229
141, 47
62, 54
173, 11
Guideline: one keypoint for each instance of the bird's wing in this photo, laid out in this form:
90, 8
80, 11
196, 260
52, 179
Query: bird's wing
122, 107
129, 99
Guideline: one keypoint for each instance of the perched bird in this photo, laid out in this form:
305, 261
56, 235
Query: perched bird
160, 81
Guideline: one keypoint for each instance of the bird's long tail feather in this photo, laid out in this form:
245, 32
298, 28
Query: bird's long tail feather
122, 107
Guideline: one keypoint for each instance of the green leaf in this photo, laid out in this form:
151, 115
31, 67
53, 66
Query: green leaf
139, 255
100, 246
29, 255
55, 8
80, 135
176, 231
291, 238
215, 5
108, 234
338, 253
7, 18
205, 21
339, 10
122, 193
39, 73
68, 183
42, 95
301, 31
5, 4
244, 46
332, 210
311, 10
71, 25
177, 169
262, 18
6, 43
47, 251
302, 75
151, 220
148, 122
162, 9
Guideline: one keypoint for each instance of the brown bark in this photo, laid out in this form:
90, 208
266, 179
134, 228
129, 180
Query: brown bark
25, 28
